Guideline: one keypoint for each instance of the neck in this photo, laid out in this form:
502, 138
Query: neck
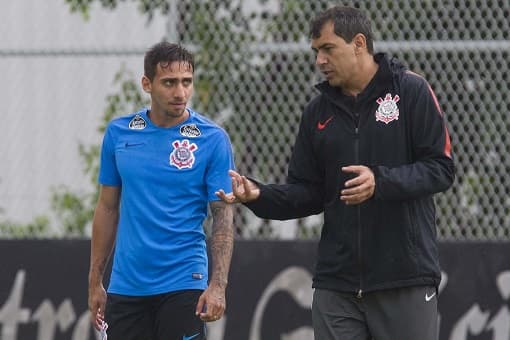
367, 68
167, 119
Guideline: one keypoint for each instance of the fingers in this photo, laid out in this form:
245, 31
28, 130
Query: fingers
213, 307
360, 188
97, 318
241, 189
97, 302
354, 199
227, 198
214, 311
358, 194
247, 184
211, 316
232, 173
363, 174
353, 168
237, 188
236, 178
200, 305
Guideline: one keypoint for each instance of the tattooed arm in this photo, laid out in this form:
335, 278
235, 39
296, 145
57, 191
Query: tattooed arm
222, 242
211, 304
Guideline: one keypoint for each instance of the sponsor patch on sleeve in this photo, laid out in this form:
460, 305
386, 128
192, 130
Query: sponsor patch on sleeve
137, 123
190, 130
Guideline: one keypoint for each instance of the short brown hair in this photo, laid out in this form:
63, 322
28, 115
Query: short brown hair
347, 22
165, 53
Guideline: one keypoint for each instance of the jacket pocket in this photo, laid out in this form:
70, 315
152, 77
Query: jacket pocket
412, 230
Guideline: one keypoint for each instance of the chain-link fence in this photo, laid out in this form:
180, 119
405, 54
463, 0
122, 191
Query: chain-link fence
255, 73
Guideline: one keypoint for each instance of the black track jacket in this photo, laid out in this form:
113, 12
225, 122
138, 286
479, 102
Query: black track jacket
396, 128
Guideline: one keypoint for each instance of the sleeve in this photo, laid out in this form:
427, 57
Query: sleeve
302, 195
108, 172
221, 161
432, 169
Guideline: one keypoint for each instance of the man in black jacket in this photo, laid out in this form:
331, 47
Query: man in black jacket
372, 150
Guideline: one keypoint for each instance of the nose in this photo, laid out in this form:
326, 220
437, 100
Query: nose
320, 59
179, 91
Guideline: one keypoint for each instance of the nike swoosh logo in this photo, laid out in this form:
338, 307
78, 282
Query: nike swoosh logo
190, 337
428, 298
132, 144
321, 126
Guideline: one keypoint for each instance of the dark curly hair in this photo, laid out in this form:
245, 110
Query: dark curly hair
165, 53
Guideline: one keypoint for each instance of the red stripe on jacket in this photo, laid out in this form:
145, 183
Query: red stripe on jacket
447, 145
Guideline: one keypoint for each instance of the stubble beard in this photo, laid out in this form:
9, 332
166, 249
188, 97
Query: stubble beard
170, 114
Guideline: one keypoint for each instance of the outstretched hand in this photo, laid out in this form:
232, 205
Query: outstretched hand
243, 189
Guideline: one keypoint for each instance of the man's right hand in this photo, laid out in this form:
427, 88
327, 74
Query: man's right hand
97, 303
244, 190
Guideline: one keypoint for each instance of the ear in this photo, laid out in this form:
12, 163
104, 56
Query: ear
146, 84
360, 42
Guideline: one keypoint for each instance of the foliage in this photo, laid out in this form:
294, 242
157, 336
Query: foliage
37, 228
222, 37
75, 210
148, 7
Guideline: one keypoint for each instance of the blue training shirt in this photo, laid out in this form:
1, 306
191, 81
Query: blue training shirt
167, 178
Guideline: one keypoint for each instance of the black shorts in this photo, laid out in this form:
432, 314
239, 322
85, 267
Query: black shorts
169, 316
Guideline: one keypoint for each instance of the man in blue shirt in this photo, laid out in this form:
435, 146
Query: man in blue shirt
160, 169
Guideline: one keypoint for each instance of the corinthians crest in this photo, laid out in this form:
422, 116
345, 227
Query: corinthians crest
388, 109
182, 156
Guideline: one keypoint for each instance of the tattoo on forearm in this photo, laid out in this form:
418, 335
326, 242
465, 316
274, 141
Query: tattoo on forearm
222, 241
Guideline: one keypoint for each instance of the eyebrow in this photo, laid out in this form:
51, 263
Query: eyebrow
327, 44
176, 78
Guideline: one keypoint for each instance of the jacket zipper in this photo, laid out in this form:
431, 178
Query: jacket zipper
358, 208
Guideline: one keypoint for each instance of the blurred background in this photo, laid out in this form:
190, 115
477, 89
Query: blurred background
69, 66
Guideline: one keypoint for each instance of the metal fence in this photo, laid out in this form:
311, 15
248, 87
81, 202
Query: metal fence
255, 72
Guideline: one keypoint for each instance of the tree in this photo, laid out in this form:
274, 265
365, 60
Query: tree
76, 210
39, 227
225, 38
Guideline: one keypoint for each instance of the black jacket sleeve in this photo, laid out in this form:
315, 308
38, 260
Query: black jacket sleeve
432, 169
302, 195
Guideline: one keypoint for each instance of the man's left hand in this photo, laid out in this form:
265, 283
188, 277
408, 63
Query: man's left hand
211, 304
360, 188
